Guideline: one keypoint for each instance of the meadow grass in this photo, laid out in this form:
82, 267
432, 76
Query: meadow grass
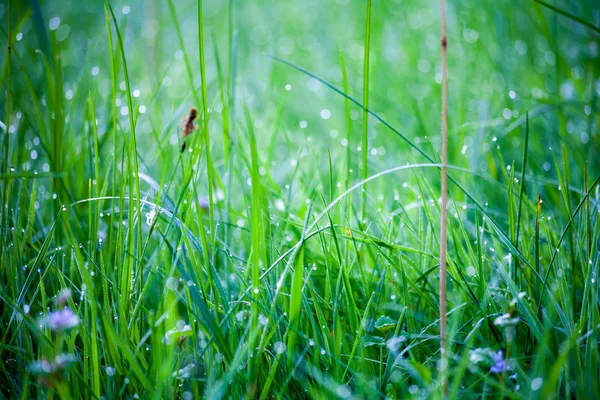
293, 249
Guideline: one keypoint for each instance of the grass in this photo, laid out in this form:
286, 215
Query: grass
293, 249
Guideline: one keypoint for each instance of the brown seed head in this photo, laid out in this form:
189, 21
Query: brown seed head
189, 126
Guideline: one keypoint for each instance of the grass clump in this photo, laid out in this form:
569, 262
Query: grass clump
292, 250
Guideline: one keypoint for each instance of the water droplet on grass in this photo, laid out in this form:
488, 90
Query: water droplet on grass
172, 283
343, 391
279, 347
280, 205
54, 23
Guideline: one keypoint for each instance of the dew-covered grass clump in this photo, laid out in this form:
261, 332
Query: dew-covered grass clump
251, 200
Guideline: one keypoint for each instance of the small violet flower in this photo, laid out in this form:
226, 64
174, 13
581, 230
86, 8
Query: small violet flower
203, 202
61, 320
500, 364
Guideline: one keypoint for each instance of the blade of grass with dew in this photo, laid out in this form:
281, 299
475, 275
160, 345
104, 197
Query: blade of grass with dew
224, 101
276, 126
522, 191
365, 122
567, 202
205, 130
569, 16
257, 243
115, 181
5, 168
295, 306
134, 180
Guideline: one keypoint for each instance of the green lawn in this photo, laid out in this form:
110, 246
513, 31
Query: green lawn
292, 250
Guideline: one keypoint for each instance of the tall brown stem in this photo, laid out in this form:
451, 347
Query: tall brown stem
444, 214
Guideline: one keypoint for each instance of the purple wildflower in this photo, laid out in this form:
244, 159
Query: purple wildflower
499, 363
61, 320
203, 202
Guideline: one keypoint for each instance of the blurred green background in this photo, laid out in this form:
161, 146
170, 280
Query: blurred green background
270, 69
506, 58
